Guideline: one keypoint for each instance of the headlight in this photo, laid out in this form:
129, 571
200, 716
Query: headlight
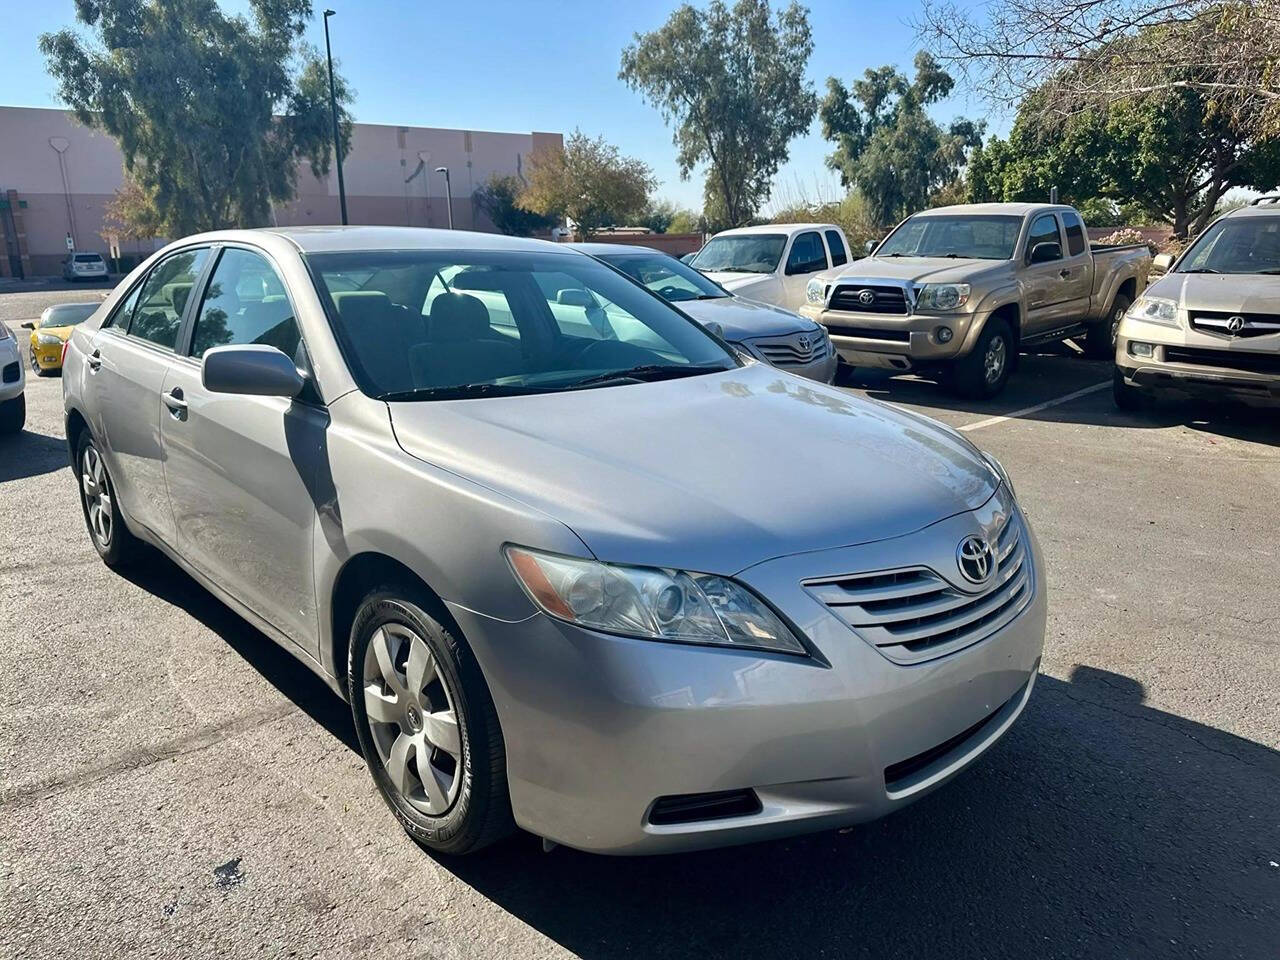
46, 339
1155, 310
998, 469
942, 296
813, 291
651, 603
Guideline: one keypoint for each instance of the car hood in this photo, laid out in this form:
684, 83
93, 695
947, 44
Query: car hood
711, 473
917, 269
738, 281
744, 319
1248, 293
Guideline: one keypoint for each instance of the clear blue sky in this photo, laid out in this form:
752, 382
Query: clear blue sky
519, 66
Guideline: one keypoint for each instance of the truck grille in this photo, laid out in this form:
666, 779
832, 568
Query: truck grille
883, 299
869, 333
1227, 359
793, 351
1218, 321
913, 614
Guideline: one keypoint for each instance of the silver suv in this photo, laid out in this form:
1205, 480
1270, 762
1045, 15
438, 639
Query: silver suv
581, 580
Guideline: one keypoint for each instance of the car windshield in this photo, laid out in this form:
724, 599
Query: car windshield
968, 236
742, 253
1249, 244
435, 324
67, 314
666, 276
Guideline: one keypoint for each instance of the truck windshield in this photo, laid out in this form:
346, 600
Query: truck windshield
742, 253
970, 236
1236, 245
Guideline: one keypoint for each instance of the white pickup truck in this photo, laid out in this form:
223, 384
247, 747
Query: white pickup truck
772, 263
956, 291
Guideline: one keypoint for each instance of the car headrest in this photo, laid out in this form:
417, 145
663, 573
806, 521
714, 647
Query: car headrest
362, 307
176, 293
458, 316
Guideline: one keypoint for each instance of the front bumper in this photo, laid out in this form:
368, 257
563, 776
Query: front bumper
13, 374
1192, 362
598, 727
895, 341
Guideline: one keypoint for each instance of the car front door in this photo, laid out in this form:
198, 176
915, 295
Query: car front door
127, 364
806, 257
241, 470
1045, 282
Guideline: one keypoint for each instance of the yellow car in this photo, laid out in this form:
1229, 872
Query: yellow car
50, 332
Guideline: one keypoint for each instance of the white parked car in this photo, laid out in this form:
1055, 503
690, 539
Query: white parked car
84, 266
13, 380
772, 263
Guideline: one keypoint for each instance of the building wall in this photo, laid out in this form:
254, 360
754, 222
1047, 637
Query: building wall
382, 157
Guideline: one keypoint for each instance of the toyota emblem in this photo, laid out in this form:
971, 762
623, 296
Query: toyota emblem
802, 342
866, 297
976, 559
1235, 324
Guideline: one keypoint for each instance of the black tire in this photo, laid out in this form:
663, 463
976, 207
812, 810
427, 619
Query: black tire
480, 812
119, 546
1125, 396
1100, 338
972, 374
13, 414
844, 371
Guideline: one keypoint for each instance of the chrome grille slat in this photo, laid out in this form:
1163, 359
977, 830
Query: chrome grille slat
787, 351
915, 614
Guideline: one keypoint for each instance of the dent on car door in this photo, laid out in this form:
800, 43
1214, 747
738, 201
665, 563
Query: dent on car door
127, 364
242, 471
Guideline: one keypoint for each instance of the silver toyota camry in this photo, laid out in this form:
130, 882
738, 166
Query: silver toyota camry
579, 569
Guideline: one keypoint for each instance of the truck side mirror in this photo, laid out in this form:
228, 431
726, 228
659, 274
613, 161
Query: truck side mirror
1161, 263
871, 246
1044, 252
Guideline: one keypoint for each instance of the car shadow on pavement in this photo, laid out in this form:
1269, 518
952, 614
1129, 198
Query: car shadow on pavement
1100, 827
159, 575
28, 454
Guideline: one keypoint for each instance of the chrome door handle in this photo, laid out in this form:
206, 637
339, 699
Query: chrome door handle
94, 361
173, 400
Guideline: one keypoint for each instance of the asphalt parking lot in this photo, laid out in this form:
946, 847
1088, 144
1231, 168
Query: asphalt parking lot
176, 786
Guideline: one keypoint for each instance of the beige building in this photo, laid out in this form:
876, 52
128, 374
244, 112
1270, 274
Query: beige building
57, 176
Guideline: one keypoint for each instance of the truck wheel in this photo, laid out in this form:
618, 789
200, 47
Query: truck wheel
985, 370
1125, 396
1100, 340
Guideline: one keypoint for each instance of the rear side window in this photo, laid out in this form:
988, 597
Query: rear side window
1075, 234
836, 246
245, 303
163, 297
1044, 230
806, 254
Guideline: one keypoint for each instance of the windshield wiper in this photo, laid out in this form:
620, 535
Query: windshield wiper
1200, 270
711, 296
461, 391
1269, 270
647, 372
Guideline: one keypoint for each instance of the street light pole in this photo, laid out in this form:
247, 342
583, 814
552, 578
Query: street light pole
333, 107
448, 193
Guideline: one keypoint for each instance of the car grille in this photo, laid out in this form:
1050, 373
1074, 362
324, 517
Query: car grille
913, 614
883, 299
11, 372
793, 351
1228, 359
1254, 324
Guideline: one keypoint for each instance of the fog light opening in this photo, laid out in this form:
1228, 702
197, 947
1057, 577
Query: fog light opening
943, 334
1139, 349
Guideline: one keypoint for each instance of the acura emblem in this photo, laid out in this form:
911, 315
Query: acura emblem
1235, 324
866, 296
977, 561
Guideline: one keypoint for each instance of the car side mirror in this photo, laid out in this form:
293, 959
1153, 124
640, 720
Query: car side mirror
575, 297
29, 325
871, 246
253, 369
1046, 251
811, 266
1161, 263
714, 328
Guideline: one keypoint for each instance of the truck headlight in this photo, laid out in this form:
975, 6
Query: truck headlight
651, 603
813, 291
1155, 310
942, 296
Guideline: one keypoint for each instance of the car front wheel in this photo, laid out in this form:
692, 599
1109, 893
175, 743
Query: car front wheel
984, 371
13, 414
1126, 397
427, 724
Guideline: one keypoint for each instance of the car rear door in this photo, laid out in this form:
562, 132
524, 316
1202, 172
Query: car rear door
129, 358
241, 470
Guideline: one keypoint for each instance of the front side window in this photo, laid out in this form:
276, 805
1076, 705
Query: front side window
1249, 244
434, 324
244, 303
742, 253
807, 254
1044, 230
966, 236
1075, 233
836, 246
666, 276
163, 298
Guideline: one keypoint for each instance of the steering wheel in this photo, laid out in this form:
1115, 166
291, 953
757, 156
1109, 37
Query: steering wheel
670, 292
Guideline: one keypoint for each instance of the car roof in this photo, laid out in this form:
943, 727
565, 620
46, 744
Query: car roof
1008, 209
1264, 206
605, 249
787, 228
334, 239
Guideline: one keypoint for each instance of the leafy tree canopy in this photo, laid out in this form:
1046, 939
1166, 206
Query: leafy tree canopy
212, 112
499, 199
588, 181
731, 80
888, 148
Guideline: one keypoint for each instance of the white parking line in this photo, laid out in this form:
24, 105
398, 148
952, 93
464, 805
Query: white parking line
992, 421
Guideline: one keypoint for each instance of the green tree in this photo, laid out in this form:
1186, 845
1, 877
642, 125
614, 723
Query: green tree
685, 221
731, 81
659, 215
888, 148
588, 181
213, 113
499, 198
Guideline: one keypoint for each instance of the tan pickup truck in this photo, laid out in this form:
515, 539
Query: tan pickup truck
956, 292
